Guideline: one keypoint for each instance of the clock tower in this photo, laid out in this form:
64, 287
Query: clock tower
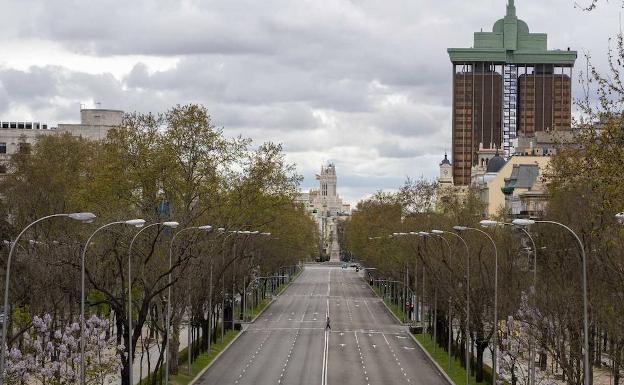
446, 172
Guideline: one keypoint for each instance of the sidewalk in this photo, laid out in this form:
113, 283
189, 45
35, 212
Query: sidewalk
139, 367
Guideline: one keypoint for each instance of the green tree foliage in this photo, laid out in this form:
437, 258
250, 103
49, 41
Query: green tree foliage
171, 166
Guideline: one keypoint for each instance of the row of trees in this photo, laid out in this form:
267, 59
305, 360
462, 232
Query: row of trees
171, 166
548, 314
585, 190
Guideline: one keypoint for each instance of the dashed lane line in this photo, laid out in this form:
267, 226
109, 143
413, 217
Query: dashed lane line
292, 346
252, 358
407, 379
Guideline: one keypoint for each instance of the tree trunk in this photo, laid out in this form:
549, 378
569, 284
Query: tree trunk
481, 345
174, 346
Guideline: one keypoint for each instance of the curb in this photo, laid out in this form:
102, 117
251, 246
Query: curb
385, 305
273, 299
201, 372
437, 366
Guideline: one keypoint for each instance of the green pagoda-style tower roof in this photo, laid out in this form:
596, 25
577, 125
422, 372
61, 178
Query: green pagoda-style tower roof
511, 42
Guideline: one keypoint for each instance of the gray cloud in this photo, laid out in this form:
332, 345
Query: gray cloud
364, 83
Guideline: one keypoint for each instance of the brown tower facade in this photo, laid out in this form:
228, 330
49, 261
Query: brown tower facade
545, 103
477, 115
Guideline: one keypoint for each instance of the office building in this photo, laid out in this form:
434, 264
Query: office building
508, 85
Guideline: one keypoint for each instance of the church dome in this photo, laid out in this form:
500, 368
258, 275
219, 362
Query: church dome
495, 164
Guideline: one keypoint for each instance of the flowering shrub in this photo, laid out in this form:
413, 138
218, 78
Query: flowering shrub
52, 357
517, 340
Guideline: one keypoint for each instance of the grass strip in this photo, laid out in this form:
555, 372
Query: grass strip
457, 372
396, 310
203, 360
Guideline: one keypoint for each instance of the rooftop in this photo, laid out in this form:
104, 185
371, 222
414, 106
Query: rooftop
511, 42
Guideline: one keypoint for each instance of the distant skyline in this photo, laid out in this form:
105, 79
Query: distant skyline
364, 84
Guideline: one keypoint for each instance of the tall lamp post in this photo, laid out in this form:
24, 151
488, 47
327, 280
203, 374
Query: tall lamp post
171, 225
495, 326
80, 217
467, 354
131, 222
438, 233
489, 223
206, 229
528, 222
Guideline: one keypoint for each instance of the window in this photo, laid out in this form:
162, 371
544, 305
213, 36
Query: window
3, 169
24, 148
3, 148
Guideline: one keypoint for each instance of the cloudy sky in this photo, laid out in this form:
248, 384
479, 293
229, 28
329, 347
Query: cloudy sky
362, 83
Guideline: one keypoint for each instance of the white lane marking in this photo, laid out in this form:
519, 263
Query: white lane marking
370, 312
288, 357
361, 356
326, 343
396, 358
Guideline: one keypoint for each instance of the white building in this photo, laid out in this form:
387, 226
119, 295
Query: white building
94, 123
20, 136
327, 208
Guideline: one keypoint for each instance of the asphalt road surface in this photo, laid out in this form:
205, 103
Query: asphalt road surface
289, 342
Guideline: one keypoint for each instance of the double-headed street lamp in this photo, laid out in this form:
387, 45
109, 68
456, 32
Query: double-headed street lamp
438, 234
131, 222
528, 222
222, 230
490, 223
495, 326
206, 229
171, 225
83, 217
467, 334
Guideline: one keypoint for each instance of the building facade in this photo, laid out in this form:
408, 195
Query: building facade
19, 137
94, 123
508, 85
327, 208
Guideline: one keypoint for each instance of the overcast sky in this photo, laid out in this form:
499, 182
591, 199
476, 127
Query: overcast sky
364, 84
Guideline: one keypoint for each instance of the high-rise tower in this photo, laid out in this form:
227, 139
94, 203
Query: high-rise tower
507, 85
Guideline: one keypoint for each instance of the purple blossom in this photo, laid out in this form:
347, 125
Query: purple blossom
51, 356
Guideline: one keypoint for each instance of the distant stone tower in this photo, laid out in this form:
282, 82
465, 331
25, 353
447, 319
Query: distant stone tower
327, 180
331, 208
446, 172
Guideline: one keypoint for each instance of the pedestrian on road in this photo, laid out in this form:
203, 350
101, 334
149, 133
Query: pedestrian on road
327, 326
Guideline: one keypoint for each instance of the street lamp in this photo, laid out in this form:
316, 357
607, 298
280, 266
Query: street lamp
490, 223
438, 233
83, 217
171, 225
467, 353
528, 222
131, 222
495, 326
206, 228
222, 230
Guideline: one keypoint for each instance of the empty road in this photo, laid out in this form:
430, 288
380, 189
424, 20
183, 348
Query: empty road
289, 343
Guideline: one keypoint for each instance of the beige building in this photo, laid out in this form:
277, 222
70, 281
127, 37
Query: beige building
518, 177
